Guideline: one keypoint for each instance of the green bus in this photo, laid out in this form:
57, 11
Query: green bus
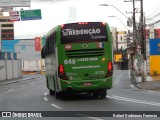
78, 58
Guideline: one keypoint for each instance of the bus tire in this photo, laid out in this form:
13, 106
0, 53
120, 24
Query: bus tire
47, 83
103, 94
56, 94
100, 94
96, 94
51, 92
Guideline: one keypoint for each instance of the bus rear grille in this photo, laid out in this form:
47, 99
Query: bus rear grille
85, 53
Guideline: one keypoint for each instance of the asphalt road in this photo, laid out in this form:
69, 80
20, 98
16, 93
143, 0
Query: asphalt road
32, 95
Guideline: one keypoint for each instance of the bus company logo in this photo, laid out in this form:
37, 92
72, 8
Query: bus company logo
84, 45
6, 114
67, 32
68, 47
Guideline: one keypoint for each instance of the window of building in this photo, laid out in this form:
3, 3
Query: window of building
7, 25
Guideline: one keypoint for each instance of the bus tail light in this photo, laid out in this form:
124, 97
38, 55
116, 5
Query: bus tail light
61, 72
62, 25
61, 69
103, 23
83, 23
109, 69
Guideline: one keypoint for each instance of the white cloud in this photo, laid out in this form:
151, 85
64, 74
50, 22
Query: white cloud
54, 13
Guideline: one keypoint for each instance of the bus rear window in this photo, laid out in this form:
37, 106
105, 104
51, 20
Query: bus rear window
83, 32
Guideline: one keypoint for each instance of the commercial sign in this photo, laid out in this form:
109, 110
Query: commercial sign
14, 16
154, 45
0, 40
30, 14
15, 3
37, 43
118, 58
6, 9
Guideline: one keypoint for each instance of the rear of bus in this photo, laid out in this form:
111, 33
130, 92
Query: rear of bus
85, 57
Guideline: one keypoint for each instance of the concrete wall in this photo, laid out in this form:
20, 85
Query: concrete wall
33, 65
10, 66
3, 74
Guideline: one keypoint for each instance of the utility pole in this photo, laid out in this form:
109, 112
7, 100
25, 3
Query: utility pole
143, 45
135, 38
134, 29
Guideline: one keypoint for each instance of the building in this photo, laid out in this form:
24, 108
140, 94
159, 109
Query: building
122, 40
120, 45
30, 57
119, 39
7, 27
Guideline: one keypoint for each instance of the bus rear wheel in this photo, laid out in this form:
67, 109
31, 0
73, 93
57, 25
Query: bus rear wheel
103, 94
51, 92
100, 94
57, 94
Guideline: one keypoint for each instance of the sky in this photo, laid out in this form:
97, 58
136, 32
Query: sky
55, 12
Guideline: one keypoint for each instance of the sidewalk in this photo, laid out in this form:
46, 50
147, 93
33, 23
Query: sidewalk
151, 83
16, 80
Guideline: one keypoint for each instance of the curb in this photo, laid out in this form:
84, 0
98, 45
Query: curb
5, 82
134, 81
148, 85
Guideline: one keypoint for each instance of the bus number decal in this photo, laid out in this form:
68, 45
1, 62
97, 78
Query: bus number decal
70, 61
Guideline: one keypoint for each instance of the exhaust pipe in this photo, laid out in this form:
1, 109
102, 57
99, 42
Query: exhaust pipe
69, 88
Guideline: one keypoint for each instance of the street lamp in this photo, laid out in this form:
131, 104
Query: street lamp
125, 17
120, 21
115, 8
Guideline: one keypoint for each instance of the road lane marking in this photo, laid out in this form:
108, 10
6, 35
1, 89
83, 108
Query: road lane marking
93, 118
56, 106
132, 86
31, 83
10, 90
45, 94
35, 82
134, 100
46, 99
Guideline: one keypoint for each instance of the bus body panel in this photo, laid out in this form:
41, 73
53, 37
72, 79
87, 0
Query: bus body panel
85, 64
81, 86
80, 63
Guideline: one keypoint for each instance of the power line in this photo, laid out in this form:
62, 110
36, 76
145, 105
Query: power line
153, 17
153, 23
147, 16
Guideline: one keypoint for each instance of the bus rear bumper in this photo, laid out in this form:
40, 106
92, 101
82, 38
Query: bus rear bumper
86, 85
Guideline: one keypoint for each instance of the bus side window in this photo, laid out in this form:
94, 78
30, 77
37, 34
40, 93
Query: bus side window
43, 52
53, 43
47, 47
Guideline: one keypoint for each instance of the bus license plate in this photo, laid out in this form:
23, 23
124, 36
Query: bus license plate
87, 84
